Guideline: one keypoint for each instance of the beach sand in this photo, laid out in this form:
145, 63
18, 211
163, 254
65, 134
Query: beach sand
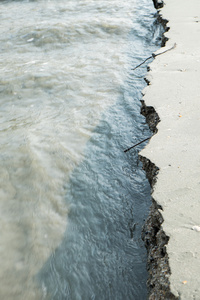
174, 92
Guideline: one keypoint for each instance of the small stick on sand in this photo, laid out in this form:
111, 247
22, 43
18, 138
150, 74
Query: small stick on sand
137, 144
153, 56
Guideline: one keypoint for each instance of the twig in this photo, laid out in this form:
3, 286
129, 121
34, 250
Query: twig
153, 56
137, 144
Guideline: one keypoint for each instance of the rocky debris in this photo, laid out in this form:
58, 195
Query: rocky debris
158, 3
157, 260
153, 235
151, 116
150, 169
155, 241
163, 22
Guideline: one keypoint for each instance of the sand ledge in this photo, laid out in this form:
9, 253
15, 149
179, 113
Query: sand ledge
153, 235
171, 232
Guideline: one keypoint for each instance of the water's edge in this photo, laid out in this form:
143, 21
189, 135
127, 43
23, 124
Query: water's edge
73, 204
154, 237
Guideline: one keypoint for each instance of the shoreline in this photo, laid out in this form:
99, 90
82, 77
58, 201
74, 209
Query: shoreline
171, 159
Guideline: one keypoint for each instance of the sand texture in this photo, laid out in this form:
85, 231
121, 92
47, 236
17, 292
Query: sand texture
174, 92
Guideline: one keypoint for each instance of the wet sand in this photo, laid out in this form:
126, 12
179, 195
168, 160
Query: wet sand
174, 92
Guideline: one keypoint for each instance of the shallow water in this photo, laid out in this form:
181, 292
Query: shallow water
72, 203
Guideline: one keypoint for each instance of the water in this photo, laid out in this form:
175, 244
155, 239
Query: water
72, 203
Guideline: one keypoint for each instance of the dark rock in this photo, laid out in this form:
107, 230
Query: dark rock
158, 3
151, 116
153, 235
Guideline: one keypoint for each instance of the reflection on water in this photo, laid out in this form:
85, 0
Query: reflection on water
72, 203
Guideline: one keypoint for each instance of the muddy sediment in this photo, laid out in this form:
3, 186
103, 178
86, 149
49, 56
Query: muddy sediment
158, 3
154, 237
151, 116
155, 241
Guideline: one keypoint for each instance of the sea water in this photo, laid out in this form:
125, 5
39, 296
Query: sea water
72, 203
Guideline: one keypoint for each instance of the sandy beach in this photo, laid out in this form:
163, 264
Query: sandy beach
174, 92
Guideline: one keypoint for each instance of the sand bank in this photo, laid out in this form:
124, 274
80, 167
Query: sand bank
173, 229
